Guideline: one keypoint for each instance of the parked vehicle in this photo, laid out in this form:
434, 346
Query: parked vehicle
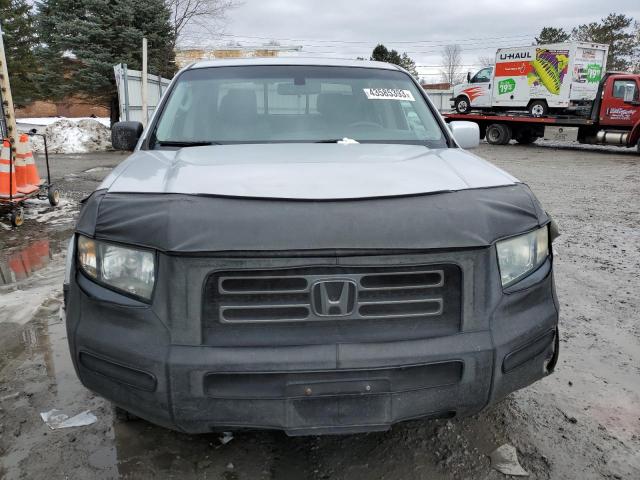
537, 78
614, 119
305, 245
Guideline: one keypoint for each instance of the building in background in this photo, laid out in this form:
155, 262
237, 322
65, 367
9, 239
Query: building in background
185, 56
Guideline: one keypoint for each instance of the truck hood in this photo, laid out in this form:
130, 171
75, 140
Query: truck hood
304, 171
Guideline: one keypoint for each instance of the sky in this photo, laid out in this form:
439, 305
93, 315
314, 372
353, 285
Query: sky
352, 28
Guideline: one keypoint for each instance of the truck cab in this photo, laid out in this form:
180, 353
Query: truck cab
476, 91
620, 100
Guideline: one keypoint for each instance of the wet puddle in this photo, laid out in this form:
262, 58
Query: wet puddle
23, 262
30, 284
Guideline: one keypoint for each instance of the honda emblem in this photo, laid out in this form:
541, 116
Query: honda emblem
334, 298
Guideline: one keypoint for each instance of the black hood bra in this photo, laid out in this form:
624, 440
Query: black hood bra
182, 223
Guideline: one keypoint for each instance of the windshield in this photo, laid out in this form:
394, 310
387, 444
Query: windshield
267, 104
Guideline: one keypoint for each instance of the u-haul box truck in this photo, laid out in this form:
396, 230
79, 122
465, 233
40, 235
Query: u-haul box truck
537, 78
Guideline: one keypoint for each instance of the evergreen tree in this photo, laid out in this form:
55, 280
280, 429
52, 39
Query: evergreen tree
19, 40
408, 64
616, 31
552, 35
83, 39
382, 54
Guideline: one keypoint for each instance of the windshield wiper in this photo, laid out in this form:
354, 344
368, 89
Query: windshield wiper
194, 143
338, 140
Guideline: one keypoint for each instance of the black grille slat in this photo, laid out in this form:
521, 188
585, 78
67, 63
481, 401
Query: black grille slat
256, 285
401, 308
391, 281
265, 313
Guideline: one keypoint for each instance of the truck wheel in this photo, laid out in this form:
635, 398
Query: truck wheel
498, 134
462, 105
17, 217
123, 416
524, 137
54, 197
538, 108
483, 131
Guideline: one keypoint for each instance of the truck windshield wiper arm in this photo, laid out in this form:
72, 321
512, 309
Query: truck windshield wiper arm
178, 143
337, 140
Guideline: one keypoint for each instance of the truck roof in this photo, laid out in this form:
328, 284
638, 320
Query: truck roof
597, 46
328, 62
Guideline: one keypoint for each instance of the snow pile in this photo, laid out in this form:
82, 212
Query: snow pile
68, 136
44, 121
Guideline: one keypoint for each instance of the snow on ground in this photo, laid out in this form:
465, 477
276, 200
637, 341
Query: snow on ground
74, 136
44, 121
41, 211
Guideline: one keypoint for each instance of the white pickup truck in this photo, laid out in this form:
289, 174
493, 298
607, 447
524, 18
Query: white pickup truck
536, 78
304, 245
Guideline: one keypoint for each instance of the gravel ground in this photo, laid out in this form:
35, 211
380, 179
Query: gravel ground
581, 422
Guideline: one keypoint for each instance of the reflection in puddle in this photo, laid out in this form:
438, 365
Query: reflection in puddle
21, 264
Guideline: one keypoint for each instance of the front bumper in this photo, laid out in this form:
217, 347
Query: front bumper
146, 361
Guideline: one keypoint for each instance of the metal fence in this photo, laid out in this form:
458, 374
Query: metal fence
129, 83
440, 99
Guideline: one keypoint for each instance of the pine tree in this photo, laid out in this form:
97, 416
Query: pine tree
409, 65
83, 39
552, 35
19, 40
616, 31
382, 54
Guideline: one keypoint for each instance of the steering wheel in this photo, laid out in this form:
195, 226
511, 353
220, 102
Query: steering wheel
365, 123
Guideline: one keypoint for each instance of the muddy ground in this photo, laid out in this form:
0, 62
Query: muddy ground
582, 422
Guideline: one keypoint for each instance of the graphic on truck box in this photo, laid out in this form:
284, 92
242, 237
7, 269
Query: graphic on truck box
546, 70
506, 86
550, 67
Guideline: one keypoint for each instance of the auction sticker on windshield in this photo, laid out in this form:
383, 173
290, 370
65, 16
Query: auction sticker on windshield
388, 94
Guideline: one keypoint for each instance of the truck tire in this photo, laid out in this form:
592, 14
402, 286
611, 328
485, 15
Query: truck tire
524, 137
483, 131
538, 108
498, 134
124, 416
462, 105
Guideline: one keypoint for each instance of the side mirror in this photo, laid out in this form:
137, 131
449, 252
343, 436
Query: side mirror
466, 134
125, 135
468, 77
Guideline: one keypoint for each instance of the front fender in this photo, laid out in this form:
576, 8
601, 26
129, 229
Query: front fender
634, 135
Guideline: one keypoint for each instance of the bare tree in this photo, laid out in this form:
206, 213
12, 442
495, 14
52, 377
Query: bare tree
451, 64
201, 13
486, 61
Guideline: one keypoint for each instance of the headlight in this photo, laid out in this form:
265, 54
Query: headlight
123, 268
519, 256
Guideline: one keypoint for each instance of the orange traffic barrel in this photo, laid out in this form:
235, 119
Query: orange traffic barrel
7, 173
20, 168
24, 154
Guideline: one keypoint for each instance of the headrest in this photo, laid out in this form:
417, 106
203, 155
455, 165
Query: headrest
335, 105
239, 104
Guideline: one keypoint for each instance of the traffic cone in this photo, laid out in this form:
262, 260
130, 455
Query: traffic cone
7, 174
21, 172
24, 153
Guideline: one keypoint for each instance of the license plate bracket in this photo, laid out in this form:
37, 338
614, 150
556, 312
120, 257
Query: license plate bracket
339, 411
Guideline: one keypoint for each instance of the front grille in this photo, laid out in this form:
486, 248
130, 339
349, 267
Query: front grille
333, 294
